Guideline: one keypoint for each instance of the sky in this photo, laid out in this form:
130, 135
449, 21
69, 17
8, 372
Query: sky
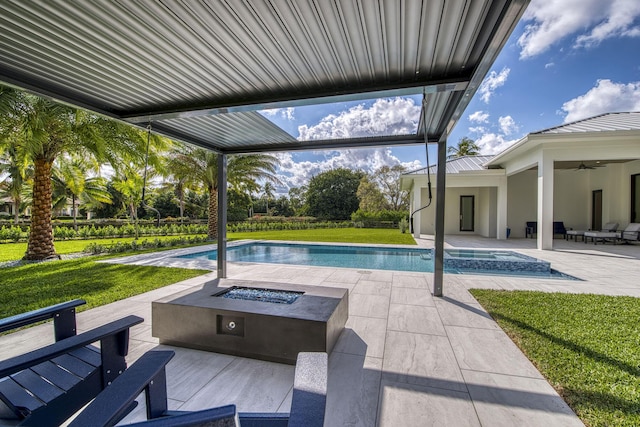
565, 61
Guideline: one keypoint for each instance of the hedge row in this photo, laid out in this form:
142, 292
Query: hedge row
17, 234
96, 248
269, 226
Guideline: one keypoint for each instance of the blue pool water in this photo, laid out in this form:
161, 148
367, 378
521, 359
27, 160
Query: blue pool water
400, 259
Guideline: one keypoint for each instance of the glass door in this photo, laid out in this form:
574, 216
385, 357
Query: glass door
466, 213
596, 210
635, 198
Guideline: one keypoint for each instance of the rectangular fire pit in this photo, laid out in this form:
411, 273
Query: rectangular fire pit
261, 320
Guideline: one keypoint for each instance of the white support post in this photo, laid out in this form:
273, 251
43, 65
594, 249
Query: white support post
545, 202
501, 211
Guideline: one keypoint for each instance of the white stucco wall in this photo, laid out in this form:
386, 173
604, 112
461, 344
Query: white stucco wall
571, 202
615, 182
522, 201
484, 209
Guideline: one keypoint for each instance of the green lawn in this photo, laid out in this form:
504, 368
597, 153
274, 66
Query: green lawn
587, 346
338, 235
15, 251
32, 286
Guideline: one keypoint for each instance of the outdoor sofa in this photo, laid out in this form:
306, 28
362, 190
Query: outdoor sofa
531, 228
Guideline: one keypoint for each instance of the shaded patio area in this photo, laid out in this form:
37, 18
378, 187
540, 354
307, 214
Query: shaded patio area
406, 358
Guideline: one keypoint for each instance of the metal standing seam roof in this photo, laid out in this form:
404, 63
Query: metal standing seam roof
601, 123
199, 71
457, 165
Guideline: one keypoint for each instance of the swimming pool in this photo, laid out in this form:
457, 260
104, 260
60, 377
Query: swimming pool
468, 261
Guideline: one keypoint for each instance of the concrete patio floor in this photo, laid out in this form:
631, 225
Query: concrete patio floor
406, 358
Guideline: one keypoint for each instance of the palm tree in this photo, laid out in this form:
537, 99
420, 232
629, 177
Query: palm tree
71, 180
130, 185
243, 174
49, 130
466, 147
15, 167
268, 191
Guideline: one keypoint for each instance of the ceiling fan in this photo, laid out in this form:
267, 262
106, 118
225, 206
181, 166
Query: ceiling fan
582, 166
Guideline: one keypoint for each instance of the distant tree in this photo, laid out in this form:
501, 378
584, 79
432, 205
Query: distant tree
238, 205
388, 180
166, 202
282, 207
370, 197
195, 204
465, 147
298, 200
15, 175
333, 194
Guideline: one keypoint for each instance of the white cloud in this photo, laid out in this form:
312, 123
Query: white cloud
491, 143
549, 65
605, 97
492, 82
479, 117
394, 116
507, 125
591, 20
296, 174
478, 129
285, 113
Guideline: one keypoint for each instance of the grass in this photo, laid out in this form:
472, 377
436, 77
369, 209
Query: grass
587, 346
33, 286
15, 251
337, 235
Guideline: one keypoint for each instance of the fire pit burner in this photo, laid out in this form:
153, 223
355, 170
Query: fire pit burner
263, 295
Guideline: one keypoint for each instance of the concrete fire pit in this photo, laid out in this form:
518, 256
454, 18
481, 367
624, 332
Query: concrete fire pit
260, 320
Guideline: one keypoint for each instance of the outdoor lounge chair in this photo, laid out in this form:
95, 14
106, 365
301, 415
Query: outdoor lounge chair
148, 374
46, 386
608, 232
631, 233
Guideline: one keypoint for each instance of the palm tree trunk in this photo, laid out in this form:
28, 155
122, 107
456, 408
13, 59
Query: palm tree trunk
16, 210
75, 212
212, 223
40, 244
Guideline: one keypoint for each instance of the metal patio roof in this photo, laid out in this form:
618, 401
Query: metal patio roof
199, 71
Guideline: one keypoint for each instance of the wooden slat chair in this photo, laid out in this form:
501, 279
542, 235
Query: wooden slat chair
46, 386
148, 375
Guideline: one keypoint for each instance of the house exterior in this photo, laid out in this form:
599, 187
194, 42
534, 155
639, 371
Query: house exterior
584, 173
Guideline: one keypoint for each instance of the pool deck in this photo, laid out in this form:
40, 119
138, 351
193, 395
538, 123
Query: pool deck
406, 358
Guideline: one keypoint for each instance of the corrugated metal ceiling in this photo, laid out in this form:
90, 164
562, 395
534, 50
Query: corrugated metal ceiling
199, 70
